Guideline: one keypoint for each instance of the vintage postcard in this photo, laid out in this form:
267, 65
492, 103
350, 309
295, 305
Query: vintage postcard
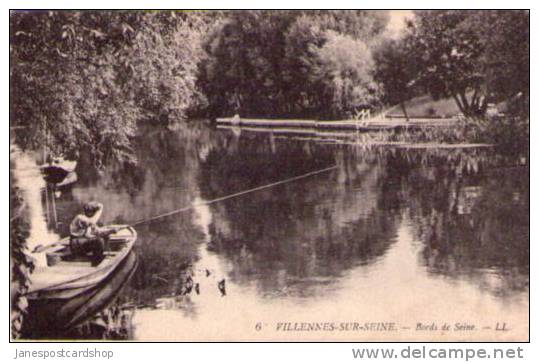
270, 175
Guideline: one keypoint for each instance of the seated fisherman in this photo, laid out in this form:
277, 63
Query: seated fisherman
86, 236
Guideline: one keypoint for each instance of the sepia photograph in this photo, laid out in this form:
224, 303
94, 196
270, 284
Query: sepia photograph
269, 175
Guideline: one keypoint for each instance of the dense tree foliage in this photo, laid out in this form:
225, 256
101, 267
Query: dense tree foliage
85, 79
394, 73
476, 57
347, 75
243, 62
291, 63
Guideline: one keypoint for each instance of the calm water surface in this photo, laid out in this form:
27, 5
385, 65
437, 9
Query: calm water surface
405, 236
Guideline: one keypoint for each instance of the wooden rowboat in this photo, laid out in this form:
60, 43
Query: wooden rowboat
67, 275
53, 317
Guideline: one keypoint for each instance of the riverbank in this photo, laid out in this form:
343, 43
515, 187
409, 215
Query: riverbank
372, 124
384, 138
510, 134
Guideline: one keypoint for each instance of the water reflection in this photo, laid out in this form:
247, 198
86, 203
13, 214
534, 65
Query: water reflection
450, 224
295, 239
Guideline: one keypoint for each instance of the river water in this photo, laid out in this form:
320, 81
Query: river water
391, 245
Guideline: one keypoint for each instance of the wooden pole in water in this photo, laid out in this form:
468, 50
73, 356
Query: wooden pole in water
53, 206
47, 203
46, 184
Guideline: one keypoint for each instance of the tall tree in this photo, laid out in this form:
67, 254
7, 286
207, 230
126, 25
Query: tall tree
347, 75
448, 51
472, 56
507, 56
244, 61
302, 67
394, 72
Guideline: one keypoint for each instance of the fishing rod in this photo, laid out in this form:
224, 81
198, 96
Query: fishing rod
40, 248
223, 198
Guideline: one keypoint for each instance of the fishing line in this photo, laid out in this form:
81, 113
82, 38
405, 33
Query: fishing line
187, 208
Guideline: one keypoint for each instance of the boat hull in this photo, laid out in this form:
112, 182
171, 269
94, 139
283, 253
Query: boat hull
51, 317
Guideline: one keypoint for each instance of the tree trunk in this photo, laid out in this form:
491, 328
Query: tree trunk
464, 101
403, 106
476, 97
461, 107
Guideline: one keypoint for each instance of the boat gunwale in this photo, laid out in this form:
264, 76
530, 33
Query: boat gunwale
105, 270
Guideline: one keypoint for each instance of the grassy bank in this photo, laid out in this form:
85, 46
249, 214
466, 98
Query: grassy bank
426, 106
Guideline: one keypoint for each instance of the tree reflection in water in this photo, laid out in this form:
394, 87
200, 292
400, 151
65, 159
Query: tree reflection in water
468, 209
463, 204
